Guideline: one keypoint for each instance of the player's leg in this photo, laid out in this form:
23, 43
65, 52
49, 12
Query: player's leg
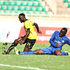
26, 53
58, 52
14, 44
29, 44
38, 51
43, 51
28, 47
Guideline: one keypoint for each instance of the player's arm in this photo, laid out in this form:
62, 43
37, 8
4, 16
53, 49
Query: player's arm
52, 42
68, 41
27, 34
37, 27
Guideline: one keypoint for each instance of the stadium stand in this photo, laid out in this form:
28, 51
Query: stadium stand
29, 7
67, 2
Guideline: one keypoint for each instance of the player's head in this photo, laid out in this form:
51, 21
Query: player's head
63, 32
22, 17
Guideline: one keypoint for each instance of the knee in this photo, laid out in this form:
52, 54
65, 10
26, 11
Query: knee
26, 49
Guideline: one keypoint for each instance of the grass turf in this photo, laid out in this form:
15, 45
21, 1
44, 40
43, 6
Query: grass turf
47, 62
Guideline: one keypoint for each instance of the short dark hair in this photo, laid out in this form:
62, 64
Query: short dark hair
21, 14
65, 29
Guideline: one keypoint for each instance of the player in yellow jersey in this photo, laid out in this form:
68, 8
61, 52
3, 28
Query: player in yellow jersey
29, 38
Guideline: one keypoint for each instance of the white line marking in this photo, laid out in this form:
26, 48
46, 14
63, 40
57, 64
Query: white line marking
22, 67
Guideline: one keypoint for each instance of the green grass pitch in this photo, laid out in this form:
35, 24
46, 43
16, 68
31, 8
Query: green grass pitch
33, 62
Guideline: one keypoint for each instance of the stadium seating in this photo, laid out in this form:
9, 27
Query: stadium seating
30, 7
44, 9
40, 4
28, 0
68, 5
34, 4
26, 9
8, 8
66, 1
22, 4
10, 3
5, 3
28, 4
14, 8
16, 3
2, 8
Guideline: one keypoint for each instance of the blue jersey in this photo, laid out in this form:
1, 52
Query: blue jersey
56, 39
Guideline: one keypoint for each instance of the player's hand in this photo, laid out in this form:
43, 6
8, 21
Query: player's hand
21, 42
57, 45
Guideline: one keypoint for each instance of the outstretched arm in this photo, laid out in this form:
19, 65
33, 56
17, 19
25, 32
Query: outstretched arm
68, 41
52, 40
37, 27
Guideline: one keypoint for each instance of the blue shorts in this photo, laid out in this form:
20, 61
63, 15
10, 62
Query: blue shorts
49, 50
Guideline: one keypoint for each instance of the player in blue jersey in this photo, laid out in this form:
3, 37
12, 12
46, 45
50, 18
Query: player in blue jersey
57, 40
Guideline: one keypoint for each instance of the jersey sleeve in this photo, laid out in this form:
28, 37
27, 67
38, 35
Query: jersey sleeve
68, 41
52, 38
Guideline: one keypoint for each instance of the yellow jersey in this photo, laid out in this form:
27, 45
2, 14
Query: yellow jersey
29, 24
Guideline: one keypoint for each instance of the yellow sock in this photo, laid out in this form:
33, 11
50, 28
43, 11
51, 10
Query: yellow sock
16, 50
69, 53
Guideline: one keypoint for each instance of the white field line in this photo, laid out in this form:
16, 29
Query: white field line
21, 67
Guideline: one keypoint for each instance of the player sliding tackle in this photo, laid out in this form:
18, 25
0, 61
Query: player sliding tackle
29, 38
57, 40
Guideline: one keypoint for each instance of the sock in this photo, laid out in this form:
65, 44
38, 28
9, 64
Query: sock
11, 47
15, 49
64, 53
29, 52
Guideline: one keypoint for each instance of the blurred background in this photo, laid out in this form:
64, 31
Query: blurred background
50, 15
